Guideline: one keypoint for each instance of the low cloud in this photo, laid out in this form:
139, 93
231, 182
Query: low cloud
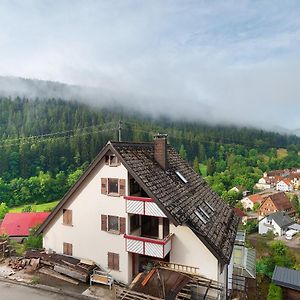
233, 62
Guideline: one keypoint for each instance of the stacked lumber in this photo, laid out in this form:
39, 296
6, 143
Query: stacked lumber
5, 248
66, 265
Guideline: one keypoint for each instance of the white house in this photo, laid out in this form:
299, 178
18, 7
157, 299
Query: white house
278, 223
138, 203
284, 185
249, 201
263, 183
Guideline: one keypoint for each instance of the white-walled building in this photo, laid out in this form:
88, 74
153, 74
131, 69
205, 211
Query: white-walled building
277, 222
284, 185
141, 202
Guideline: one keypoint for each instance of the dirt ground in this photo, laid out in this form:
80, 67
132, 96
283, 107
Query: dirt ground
34, 277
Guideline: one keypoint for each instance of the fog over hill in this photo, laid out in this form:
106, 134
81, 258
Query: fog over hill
186, 110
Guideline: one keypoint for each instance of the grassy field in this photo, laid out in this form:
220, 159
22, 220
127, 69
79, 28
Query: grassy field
35, 207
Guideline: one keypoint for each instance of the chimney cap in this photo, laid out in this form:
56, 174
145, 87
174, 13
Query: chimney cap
160, 135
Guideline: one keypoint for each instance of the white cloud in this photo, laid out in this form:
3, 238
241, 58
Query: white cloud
222, 61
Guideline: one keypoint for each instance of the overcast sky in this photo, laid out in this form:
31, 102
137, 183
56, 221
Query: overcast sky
221, 61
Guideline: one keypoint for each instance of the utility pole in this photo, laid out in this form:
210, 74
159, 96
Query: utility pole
120, 129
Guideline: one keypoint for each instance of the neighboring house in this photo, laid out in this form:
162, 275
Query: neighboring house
284, 185
249, 201
277, 173
289, 281
18, 225
276, 202
241, 214
295, 180
263, 183
278, 223
138, 203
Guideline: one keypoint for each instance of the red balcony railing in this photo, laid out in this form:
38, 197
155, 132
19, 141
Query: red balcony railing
150, 247
142, 206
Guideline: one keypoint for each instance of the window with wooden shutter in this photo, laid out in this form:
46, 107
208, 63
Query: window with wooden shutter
67, 249
104, 186
67, 217
113, 261
122, 187
103, 222
122, 225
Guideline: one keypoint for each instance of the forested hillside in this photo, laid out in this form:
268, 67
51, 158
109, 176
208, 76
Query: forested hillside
35, 168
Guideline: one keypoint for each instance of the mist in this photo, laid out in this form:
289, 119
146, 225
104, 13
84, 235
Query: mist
233, 62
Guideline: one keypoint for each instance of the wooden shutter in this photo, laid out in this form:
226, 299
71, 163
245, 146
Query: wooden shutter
122, 187
65, 250
110, 260
67, 217
122, 225
104, 222
104, 186
68, 249
116, 261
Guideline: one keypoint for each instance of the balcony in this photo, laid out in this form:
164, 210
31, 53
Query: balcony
150, 247
142, 206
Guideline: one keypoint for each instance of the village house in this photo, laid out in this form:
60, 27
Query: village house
295, 180
17, 225
278, 222
249, 201
276, 202
138, 203
284, 185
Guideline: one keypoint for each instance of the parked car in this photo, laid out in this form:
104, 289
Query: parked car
290, 233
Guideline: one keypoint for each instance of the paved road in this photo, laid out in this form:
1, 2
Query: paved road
11, 291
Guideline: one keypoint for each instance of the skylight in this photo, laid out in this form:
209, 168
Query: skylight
198, 214
184, 180
211, 208
203, 212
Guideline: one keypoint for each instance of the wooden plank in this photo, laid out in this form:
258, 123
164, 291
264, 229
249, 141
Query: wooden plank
57, 275
71, 273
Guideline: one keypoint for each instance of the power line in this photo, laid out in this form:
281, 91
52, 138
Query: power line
43, 139
47, 135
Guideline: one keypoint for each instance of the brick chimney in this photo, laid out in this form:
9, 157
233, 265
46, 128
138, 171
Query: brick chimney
160, 150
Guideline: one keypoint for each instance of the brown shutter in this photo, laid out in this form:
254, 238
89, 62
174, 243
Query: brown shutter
65, 217
65, 248
104, 222
122, 225
70, 250
122, 187
116, 261
104, 186
69, 217
110, 260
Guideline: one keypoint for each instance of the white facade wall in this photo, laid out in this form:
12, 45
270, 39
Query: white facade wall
282, 186
85, 235
263, 228
247, 203
188, 250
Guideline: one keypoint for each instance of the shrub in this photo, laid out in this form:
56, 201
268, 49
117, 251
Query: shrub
275, 292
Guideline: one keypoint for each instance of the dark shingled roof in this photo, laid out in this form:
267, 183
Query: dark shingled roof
286, 278
180, 200
281, 219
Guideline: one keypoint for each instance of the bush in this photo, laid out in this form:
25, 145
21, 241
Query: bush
275, 292
33, 241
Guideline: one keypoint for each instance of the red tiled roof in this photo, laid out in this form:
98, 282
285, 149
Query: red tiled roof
256, 198
18, 224
239, 212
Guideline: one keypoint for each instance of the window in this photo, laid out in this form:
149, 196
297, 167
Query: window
68, 249
113, 223
202, 215
67, 217
113, 261
113, 186
112, 160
